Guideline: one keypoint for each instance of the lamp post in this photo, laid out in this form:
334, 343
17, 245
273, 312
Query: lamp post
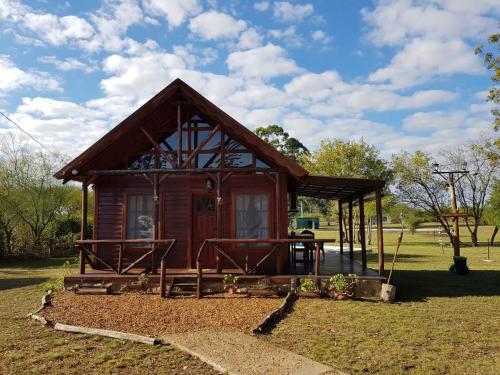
452, 177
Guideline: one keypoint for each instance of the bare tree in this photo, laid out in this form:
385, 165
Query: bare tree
28, 190
473, 190
419, 188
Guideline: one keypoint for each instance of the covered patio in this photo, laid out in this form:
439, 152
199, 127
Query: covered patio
348, 192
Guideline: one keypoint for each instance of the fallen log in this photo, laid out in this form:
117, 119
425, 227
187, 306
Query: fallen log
270, 321
107, 333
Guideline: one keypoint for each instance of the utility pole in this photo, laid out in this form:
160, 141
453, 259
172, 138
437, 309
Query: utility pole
452, 177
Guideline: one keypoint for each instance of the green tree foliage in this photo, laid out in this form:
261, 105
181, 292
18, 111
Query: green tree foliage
491, 60
31, 199
492, 211
277, 137
347, 159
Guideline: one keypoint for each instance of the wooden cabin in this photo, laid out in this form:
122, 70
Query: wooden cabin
179, 184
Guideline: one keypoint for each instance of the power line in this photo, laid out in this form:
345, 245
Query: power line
31, 136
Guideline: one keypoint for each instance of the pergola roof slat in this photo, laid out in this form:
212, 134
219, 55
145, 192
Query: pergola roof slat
337, 188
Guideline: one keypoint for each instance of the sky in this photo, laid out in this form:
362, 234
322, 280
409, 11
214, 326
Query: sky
401, 74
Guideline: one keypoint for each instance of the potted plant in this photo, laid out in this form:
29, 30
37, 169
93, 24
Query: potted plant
308, 288
340, 287
230, 281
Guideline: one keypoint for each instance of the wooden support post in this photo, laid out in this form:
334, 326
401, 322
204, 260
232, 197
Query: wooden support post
218, 208
317, 260
351, 232
162, 278
199, 286
341, 229
179, 136
82, 260
380, 232
362, 235
156, 213
120, 260
83, 225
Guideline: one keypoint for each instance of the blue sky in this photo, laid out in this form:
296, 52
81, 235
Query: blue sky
399, 73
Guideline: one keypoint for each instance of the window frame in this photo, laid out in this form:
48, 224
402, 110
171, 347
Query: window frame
270, 214
125, 219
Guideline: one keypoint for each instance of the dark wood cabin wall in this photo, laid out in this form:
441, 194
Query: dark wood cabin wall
176, 197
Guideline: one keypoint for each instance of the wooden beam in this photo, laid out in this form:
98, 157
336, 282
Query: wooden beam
351, 232
83, 224
158, 148
197, 150
362, 235
156, 218
218, 212
341, 228
179, 136
380, 231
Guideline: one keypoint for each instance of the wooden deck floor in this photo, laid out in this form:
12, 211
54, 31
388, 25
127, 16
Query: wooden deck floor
333, 263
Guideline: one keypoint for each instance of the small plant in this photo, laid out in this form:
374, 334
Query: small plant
57, 284
230, 279
143, 279
230, 283
307, 285
342, 289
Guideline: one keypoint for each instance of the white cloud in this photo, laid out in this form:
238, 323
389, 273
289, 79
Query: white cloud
432, 121
214, 25
261, 6
12, 78
174, 11
287, 12
288, 35
112, 21
262, 62
48, 27
195, 56
321, 36
250, 39
67, 64
394, 22
423, 59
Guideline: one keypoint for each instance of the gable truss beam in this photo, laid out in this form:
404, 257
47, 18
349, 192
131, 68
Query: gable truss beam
197, 150
158, 148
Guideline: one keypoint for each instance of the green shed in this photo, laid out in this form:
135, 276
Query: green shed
308, 222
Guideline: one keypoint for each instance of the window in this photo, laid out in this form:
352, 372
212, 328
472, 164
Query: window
140, 221
252, 216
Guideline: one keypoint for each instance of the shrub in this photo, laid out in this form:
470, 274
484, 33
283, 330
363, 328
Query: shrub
307, 285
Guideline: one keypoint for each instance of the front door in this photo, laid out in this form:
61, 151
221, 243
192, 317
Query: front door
204, 226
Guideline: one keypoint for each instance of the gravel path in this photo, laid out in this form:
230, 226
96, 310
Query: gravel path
154, 316
237, 353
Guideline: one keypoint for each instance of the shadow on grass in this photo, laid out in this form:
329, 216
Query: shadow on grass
6, 284
34, 263
419, 285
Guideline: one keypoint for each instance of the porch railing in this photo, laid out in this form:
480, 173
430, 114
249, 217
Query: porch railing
86, 252
216, 242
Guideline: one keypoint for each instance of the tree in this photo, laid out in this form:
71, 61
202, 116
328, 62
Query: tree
472, 190
491, 60
492, 210
28, 191
276, 136
347, 159
417, 187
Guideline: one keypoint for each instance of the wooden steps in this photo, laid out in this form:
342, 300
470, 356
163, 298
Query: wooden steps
93, 289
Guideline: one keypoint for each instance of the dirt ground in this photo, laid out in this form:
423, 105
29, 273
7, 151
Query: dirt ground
151, 315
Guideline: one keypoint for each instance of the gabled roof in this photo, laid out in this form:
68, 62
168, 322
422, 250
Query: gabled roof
159, 115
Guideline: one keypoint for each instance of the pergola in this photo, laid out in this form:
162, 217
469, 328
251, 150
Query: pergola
348, 191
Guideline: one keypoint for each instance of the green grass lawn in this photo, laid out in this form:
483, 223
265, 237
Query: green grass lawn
442, 323
28, 347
